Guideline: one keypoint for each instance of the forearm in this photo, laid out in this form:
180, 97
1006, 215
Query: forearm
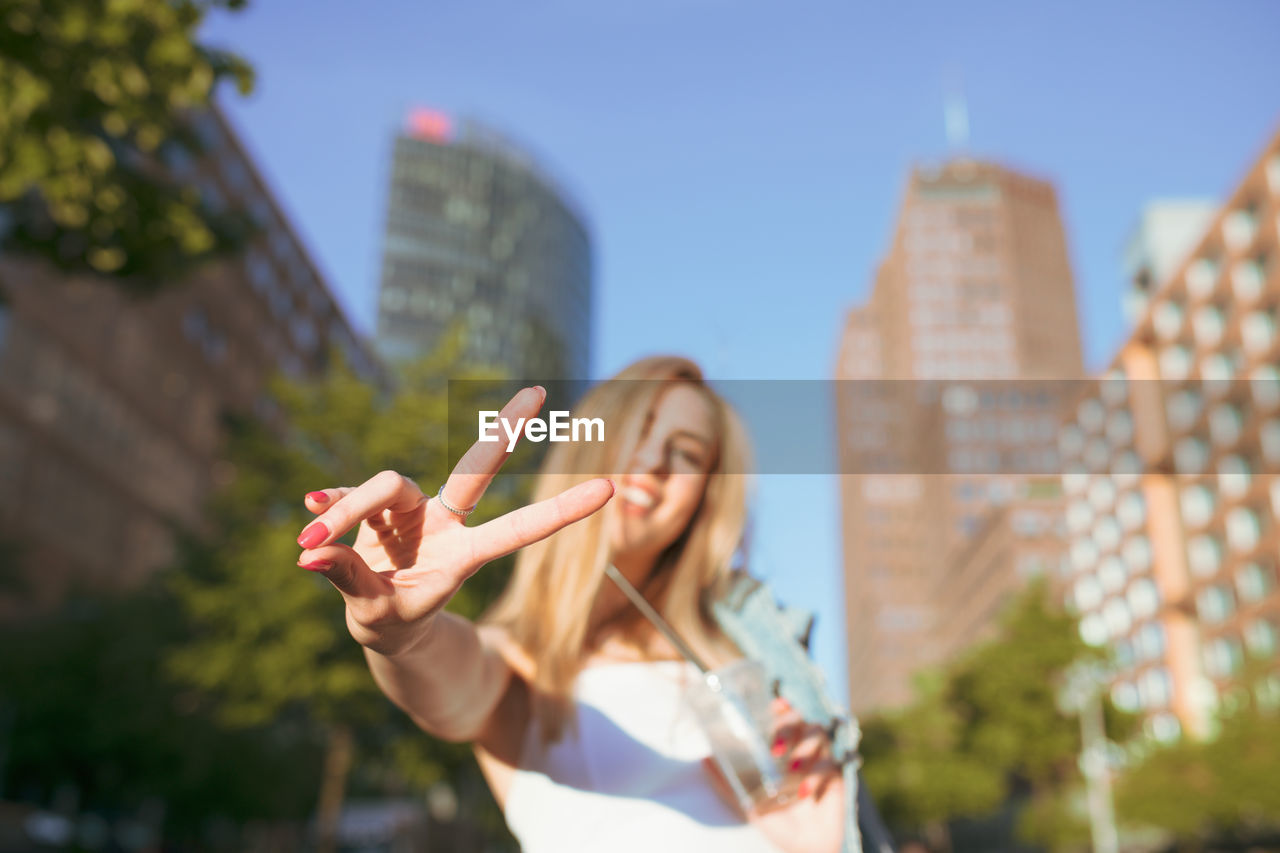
449, 683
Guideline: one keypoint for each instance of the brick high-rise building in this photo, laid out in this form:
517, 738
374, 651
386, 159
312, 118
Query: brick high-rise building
111, 406
976, 286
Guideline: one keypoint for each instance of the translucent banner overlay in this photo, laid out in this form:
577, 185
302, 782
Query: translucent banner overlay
974, 427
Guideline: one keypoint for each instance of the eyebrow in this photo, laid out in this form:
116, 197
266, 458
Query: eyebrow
701, 439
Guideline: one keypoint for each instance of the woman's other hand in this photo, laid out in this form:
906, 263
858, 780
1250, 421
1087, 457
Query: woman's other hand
813, 820
411, 554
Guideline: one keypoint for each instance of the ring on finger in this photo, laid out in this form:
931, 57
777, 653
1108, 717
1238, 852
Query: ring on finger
453, 509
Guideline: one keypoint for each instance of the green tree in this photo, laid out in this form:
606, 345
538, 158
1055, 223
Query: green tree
917, 769
1199, 791
986, 729
93, 95
272, 638
84, 705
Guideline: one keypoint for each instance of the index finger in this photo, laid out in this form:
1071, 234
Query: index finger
527, 525
482, 461
386, 490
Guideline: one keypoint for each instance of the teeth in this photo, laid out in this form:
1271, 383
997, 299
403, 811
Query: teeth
637, 496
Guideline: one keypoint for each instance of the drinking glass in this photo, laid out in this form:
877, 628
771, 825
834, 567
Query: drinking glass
732, 704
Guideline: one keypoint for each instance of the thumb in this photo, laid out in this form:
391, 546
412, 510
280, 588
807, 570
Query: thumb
346, 570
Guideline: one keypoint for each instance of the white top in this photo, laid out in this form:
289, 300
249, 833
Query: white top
630, 777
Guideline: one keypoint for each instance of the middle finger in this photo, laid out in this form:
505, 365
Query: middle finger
482, 461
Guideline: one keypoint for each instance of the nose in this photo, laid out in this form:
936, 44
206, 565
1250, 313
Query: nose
650, 456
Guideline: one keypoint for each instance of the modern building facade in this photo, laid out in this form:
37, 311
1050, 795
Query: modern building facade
975, 291
111, 406
477, 233
1166, 232
1173, 478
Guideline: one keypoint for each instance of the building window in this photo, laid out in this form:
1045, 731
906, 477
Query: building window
1125, 697
1124, 653
1222, 657
1244, 529
259, 269
1112, 573
198, 330
1118, 617
1144, 598
1260, 637
1215, 604
1204, 554
1137, 553
1156, 688
1254, 581
1131, 510
1149, 641
1165, 728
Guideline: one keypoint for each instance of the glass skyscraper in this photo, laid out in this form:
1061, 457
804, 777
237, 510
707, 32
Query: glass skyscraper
477, 233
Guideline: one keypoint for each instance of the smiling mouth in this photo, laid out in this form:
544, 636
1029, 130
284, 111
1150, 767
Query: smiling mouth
637, 496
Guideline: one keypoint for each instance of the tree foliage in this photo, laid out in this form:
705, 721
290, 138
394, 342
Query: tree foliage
94, 96
917, 768
214, 689
1221, 787
270, 639
85, 705
987, 728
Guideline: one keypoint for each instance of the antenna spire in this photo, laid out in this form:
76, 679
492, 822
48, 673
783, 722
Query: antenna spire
955, 114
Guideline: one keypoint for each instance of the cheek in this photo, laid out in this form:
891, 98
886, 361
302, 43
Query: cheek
685, 497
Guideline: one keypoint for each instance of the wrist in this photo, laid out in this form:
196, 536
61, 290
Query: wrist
396, 641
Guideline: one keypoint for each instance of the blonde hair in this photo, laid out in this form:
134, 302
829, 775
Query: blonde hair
547, 605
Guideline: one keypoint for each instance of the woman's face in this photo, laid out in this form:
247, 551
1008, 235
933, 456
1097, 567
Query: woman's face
662, 484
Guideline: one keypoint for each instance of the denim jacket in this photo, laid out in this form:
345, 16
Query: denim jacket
778, 637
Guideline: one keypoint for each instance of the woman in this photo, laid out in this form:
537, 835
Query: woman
570, 698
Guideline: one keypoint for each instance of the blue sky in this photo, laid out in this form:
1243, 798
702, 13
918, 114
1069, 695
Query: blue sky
742, 162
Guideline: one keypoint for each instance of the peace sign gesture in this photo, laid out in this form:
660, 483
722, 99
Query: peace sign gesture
412, 553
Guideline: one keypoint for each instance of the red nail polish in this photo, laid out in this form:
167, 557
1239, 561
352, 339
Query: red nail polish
803, 790
318, 497
314, 534
779, 746
318, 565
796, 764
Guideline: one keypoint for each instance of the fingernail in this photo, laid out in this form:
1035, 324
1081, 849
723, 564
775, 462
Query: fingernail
318, 497
796, 764
318, 565
803, 790
313, 535
542, 391
779, 746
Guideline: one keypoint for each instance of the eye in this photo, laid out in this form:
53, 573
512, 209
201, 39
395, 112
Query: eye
692, 457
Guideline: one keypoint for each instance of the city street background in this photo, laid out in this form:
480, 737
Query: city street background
1012, 269
742, 163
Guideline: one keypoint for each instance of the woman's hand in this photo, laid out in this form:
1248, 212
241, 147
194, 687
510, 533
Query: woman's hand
412, 554
813, 821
